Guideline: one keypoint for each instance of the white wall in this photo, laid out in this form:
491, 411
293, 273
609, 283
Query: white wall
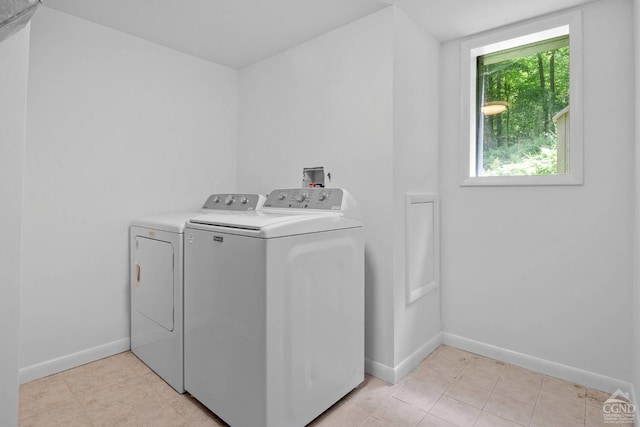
117, 128
14, 54
328, 102
546, 271
362, 102
415, 170
635, 307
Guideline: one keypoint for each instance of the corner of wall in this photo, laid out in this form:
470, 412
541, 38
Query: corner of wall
394, 374
635, 339
416, 58
14, 55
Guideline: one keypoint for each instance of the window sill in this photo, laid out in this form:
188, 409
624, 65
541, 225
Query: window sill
505, 181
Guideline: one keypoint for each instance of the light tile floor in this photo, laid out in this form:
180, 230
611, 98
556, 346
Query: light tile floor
451, 387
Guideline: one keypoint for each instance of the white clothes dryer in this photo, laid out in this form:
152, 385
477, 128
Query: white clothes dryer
274, 308
156, 245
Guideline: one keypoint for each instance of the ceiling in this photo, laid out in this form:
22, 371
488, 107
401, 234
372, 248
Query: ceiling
237, 33
453, 19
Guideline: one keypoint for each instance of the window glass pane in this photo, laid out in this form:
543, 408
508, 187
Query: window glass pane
523, 110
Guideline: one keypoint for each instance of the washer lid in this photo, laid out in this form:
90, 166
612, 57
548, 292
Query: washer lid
269, 225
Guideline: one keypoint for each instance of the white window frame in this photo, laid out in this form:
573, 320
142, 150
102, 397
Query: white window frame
506, 38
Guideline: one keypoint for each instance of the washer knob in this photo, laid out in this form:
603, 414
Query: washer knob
302, 196
216, 199
229, 199
282, 196
323, 196
244, 200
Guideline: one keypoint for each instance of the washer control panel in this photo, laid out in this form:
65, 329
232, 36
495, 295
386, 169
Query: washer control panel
306, 198
234, 202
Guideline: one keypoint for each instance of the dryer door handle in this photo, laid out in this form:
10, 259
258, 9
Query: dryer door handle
137, 274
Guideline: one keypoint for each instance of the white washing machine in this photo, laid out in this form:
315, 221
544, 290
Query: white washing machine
274, 308
157, 334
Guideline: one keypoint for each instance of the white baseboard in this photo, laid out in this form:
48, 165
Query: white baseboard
414, 359
568, 373
393, 375
379, 370
50, 367
384, 372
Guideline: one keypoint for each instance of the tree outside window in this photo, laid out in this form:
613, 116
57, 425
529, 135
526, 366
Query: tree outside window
522, 110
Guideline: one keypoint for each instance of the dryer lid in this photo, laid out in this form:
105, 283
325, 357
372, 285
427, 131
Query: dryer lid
172, 223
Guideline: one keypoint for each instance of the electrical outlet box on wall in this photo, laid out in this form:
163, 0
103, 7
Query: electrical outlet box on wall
313, 177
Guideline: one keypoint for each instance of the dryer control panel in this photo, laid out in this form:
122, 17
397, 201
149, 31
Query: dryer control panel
234, 202
306, 198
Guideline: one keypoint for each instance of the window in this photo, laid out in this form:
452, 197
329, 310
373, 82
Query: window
520, 92
523, 107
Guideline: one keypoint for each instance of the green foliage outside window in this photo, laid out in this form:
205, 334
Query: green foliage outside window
532, 82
